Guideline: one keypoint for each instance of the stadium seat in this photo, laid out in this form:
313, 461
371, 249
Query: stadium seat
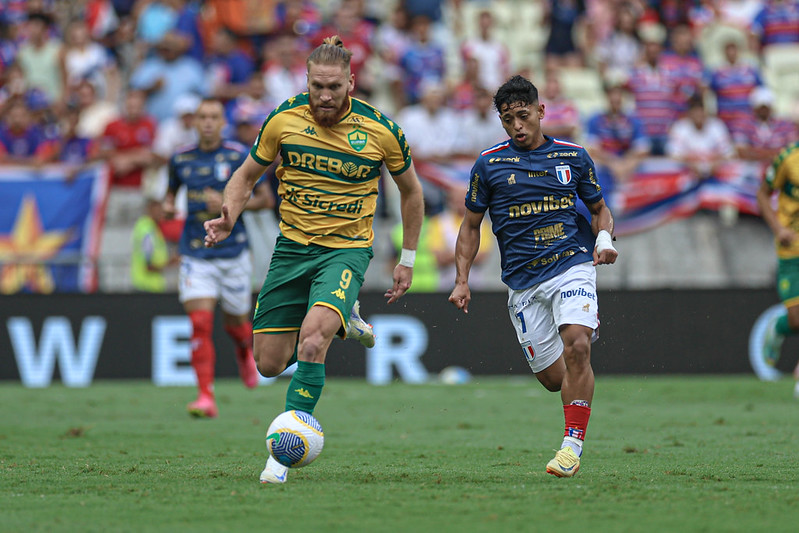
584, 87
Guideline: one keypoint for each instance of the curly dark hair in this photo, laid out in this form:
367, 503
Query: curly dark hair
517, 90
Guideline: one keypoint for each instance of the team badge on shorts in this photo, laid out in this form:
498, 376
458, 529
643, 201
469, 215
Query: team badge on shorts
564, 173
529, 352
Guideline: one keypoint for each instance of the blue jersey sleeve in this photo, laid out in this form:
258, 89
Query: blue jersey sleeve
478, 194
588, 188
174, 179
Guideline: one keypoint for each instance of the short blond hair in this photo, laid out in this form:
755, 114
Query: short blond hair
330, 52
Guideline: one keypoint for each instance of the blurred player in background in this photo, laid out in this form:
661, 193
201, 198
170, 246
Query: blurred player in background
783, 176
333, 147
222, 273
530, 185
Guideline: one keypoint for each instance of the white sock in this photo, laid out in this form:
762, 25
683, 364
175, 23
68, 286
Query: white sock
575, 444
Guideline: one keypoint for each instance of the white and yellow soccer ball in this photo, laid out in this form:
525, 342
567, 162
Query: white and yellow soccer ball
295, 438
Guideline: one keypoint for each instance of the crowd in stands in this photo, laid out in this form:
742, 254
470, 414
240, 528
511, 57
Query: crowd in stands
117, 80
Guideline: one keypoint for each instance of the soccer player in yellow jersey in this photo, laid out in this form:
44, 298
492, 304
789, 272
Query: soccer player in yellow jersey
332, 147
783, 176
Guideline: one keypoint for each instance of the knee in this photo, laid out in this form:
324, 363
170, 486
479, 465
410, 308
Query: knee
551, 385
311, 348
269, 368
793, 321
577, 352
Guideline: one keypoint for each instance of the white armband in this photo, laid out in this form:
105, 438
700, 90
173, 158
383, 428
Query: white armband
407, 258
604, 241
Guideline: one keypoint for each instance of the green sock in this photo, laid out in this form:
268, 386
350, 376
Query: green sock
305, 387
782, 326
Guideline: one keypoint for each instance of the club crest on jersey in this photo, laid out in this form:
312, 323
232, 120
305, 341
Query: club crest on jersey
357, 139
564, 173
222, 171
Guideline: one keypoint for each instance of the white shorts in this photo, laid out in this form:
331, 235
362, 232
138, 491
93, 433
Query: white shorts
538, 312
226, 280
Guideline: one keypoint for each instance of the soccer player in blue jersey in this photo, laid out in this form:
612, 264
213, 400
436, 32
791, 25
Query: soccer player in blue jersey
332, 148
222, 273
530, 184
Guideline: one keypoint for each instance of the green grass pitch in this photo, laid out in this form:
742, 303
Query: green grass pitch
662, 454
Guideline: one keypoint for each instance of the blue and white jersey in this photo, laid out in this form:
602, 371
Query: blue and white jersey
197, 169
531, 198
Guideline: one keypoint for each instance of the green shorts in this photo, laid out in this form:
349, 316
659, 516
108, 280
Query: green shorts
788, 281
303, 276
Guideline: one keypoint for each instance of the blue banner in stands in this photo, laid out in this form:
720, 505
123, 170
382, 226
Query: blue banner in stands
50, 224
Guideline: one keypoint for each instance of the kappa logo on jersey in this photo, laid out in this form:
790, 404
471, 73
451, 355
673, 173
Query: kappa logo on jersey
512, 179
564, 173
357, 139
310, 130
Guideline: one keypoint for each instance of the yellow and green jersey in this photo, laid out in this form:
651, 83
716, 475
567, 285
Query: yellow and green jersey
329, 176
783, 176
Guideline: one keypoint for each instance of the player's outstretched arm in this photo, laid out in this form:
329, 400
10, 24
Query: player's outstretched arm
466, 247
412, 211
602, 224
237, 194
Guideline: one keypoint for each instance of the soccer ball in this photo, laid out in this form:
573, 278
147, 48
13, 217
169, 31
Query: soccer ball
455, 375
295, 439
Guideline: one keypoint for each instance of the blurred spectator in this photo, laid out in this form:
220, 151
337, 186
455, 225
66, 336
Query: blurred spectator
433, 11
618, 53
72, 148
616, 141
301, 18
654, 89
127, 143
700, 141
21, 141
463, 93
431, 128
188, 25
10, 39
284, 71
227, 68
95, 114
561, 118
391, 39
253, 105
739, 13
150, 254
40, 58
357, 33
762, 136
562, 17
422, 62
442, 232
168, 75
685, 66
732, 84
86, 60
13, 84
480, 128
776, 23
154, 19
492, 55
